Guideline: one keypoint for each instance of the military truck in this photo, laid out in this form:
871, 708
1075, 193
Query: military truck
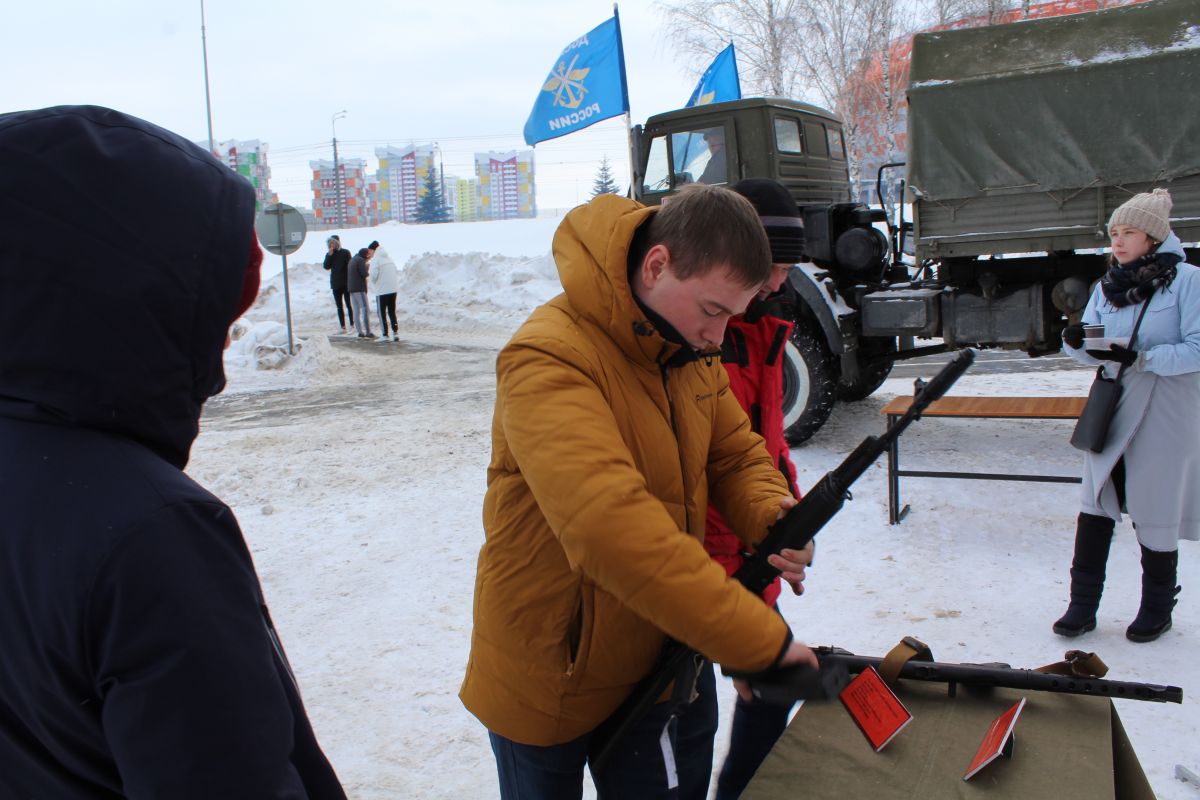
1022, 140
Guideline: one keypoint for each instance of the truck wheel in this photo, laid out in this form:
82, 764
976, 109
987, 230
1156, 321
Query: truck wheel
870, 376
809, 385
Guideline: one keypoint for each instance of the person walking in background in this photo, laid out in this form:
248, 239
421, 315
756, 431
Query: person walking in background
384, 283
137, 655
752, 354
357, 274
337, 260
1150, 464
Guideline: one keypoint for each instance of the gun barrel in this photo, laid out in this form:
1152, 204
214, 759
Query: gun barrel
1007, 677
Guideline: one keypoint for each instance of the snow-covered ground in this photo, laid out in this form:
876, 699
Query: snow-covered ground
357, 472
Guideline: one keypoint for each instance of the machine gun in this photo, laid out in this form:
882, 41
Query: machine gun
793, 532
787, 685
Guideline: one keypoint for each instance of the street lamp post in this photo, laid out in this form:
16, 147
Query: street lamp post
208, 103
339, 187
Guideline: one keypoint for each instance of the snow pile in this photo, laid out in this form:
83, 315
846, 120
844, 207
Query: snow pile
264, 345
474, 282
474, 290
305, 283
519, 238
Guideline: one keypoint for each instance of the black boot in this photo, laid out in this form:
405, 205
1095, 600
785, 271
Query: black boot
1158, 596
1093, 535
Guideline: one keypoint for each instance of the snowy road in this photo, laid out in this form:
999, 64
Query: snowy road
987, 362
360, 493
391, 374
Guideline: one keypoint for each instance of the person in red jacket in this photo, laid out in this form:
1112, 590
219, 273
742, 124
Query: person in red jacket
752, 354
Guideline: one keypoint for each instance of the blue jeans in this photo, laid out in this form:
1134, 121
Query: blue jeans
638, 767
362, 317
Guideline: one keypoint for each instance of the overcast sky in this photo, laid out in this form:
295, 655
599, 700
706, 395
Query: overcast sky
463, 73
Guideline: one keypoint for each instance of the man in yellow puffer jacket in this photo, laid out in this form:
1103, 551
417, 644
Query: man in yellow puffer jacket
614, 427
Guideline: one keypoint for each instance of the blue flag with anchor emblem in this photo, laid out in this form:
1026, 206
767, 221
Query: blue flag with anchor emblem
719, 82
586, 85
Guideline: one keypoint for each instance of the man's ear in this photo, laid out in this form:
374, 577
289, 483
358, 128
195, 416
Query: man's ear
655, 263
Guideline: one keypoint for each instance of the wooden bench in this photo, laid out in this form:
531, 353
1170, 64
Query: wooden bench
975, 408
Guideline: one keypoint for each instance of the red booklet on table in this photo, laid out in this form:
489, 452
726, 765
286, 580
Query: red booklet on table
997, 741
875, 708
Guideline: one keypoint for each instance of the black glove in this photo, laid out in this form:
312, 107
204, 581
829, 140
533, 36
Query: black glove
1072, 336
1122, 355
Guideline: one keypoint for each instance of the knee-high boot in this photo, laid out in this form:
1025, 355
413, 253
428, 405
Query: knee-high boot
1093, 535
1158, 595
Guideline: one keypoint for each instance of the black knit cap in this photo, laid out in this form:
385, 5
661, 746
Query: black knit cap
779, 216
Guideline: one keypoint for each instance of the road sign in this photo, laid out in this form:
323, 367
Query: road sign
280, 229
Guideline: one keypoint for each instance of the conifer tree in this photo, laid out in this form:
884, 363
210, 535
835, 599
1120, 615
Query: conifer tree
604, 183
432, 206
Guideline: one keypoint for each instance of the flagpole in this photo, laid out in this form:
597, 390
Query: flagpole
736, 73
625, 94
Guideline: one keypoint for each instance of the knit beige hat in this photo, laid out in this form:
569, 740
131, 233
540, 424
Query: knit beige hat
1149, 212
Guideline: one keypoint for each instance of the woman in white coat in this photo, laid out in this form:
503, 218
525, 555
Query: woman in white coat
385, 283
1150, 465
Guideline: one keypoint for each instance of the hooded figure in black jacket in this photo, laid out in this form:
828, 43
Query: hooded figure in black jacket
137, 657
336, 262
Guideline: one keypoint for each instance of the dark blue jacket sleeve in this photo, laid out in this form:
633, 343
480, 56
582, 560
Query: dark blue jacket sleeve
195, 703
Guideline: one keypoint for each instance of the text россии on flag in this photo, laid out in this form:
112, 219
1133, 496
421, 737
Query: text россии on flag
586, 85
719, 82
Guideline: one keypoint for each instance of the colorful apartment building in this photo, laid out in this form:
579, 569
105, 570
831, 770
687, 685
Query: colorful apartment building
345, 200
248, 159
401, 179
506, 188
462, 198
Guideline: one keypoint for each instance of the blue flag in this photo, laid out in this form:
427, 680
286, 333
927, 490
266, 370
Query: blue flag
719, 82
586, 85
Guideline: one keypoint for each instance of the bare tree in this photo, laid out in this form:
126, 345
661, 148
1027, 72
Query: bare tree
944, 12
844, 43
941, 12
763, 33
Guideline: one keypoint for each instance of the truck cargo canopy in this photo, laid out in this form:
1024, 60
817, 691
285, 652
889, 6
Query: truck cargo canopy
1055, 104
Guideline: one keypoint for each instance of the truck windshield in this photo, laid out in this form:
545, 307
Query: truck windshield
658, 169
699, 155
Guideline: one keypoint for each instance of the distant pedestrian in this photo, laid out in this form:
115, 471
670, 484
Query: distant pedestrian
336, 262
1151, 461
356, 282
384, 283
